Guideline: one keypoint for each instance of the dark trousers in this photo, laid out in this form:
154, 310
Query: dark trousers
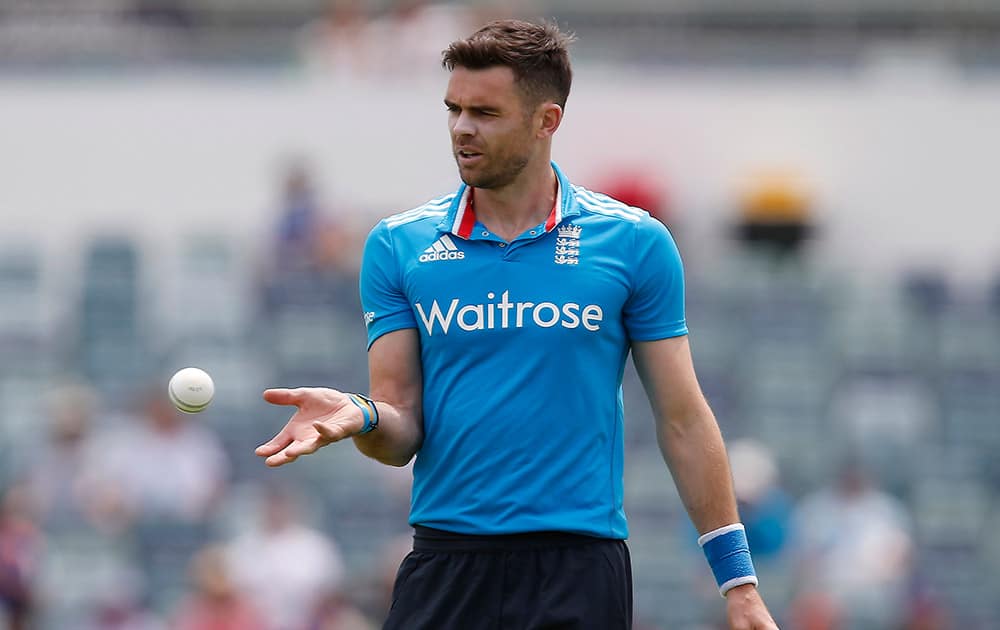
550, 581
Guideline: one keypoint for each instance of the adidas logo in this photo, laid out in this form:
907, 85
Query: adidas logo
442, 249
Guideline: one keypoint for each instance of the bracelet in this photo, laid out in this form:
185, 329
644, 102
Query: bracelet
369, 409
728, 554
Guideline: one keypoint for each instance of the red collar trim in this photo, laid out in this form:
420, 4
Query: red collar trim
468, 219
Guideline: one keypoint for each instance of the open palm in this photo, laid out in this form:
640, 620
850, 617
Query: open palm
322, 416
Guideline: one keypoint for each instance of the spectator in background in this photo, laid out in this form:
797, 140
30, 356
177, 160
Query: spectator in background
854, 545
309, 236
765, 507
387, 563
167, 466
64, 480
119, 606
927, 611
287, 567
408, 36
300, 218
400, 44
20, 555
337, 612
215, 602
337, 42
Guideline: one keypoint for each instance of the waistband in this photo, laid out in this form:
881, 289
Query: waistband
429, 539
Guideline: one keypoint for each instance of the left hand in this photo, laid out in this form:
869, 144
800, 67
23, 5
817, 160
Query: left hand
745, 609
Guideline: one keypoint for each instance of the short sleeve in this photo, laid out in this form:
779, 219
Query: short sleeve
655, 308
382, 297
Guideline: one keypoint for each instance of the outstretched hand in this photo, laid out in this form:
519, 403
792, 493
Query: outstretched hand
323, 416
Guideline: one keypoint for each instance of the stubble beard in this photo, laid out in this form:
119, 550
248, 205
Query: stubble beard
498, 177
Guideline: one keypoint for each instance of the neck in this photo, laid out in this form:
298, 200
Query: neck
524, 203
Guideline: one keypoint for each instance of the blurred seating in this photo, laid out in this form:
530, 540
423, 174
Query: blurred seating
314, 330
876, 332
111, 335
970, 406
208, 290
927, 290
22, 317
361, 510
951, 513
968, 342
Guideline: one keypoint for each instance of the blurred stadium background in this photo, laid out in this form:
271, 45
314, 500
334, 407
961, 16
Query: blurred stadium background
189, 182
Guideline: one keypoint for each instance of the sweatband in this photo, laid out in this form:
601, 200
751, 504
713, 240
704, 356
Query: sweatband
728, 554
368, 409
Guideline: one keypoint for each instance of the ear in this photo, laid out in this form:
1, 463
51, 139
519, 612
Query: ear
549, 117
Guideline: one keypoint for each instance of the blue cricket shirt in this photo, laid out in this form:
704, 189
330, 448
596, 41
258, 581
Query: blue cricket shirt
523, 347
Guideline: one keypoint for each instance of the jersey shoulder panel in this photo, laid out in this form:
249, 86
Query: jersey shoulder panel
433, 210
595, 203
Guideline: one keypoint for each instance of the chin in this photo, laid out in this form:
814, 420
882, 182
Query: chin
476, 180
479, 179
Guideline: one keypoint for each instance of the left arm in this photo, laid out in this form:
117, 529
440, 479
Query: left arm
687, 432
692, 446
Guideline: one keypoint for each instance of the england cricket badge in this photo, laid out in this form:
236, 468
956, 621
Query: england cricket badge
568, 245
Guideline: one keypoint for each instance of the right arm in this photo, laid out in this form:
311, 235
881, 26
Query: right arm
325, 416
397, 389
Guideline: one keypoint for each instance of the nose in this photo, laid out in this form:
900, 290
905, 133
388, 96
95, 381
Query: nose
462, 125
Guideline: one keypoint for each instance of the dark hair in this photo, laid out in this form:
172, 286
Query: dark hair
537, 53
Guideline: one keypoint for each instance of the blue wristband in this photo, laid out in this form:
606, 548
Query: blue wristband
368, 409
728, 554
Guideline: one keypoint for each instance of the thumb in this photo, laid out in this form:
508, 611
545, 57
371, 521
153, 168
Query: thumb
282, 396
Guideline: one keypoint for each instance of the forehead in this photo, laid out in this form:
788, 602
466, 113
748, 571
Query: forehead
495, 84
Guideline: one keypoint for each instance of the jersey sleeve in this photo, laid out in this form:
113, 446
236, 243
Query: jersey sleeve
655, 308
382, 297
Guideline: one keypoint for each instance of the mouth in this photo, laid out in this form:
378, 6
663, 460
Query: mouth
467, 156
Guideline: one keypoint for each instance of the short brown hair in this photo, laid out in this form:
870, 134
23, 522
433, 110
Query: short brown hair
537, 53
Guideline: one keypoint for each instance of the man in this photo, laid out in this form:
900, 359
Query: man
499, 320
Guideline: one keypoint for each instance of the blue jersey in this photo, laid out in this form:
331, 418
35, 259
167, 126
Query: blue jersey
523, 345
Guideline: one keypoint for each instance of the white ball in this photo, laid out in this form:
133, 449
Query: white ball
191, 390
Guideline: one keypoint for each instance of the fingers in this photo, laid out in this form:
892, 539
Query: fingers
295, 450
279, 459
285, 451
281, 396
277, 443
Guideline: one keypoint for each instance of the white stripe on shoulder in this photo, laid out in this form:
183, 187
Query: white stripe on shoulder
398, 220
440, 205
604, 201
620, 212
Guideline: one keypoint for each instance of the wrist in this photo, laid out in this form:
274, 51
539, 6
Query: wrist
741, 589
728, 555
369, 411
